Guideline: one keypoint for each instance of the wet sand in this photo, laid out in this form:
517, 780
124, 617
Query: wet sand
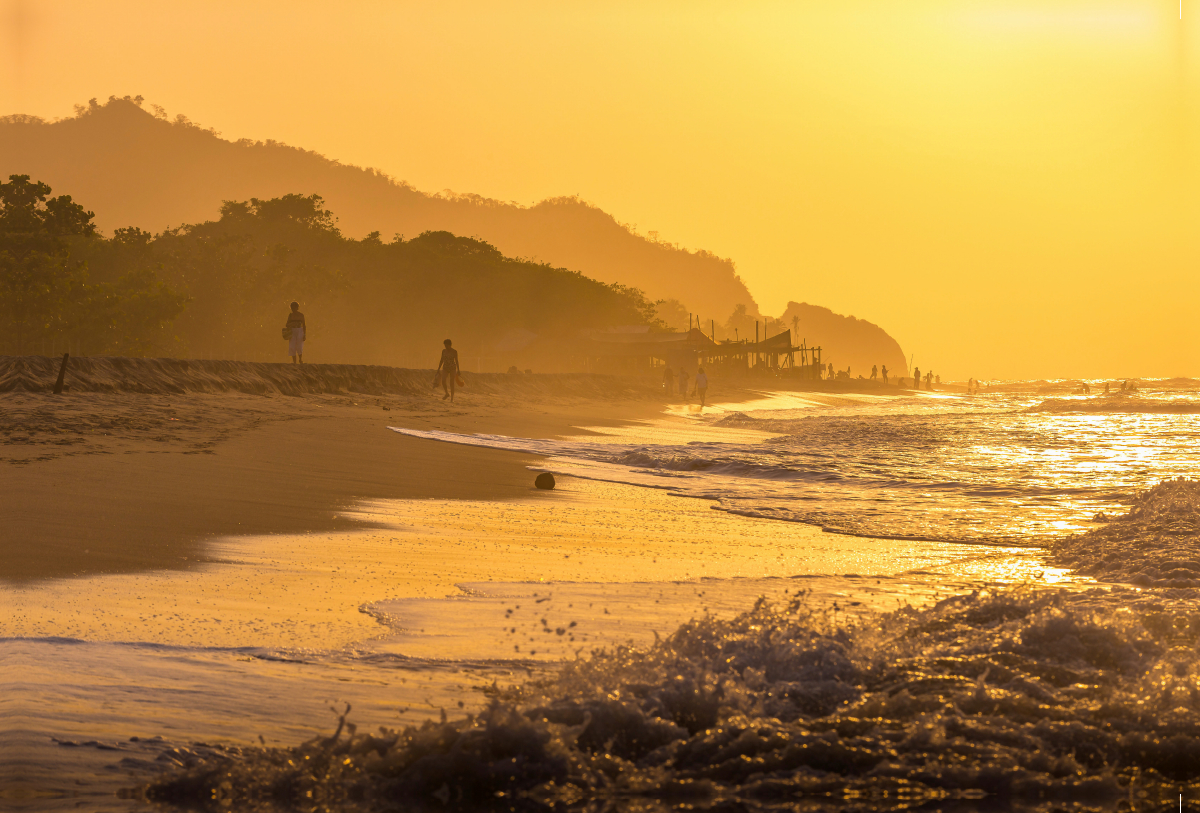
126, 482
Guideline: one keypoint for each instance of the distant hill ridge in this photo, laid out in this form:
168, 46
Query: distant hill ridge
135, 168
846, 340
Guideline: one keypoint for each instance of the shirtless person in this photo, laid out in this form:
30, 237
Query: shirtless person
296, 342
448, 369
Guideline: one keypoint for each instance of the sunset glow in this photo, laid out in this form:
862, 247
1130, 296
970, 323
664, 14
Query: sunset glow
1016, 169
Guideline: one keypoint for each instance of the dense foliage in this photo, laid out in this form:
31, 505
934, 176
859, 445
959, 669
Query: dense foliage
47, 297
223, 287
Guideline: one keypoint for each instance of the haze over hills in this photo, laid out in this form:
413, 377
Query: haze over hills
135, 168
847, 341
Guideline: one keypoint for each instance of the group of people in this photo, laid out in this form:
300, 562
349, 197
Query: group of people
930, 379
1126, 386
701, 383
879, 373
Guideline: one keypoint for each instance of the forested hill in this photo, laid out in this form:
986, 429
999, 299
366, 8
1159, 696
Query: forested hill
221, 288
138, 169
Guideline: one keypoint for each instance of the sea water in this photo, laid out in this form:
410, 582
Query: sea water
888, 700
1021, 464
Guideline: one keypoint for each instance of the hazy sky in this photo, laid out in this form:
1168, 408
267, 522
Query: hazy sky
1007, 187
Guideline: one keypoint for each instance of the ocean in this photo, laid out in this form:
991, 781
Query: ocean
938, 653
1020, 464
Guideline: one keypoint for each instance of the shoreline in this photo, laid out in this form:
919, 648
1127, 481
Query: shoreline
292, 486
110, 482
331, 561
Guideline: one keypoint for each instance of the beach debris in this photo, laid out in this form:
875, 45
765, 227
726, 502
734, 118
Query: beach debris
544, 480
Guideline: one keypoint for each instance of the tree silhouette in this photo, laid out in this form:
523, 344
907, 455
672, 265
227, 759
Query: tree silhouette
37, 279
44, 288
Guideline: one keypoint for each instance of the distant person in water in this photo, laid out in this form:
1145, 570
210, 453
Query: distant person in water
448, 370
884, 374
1086, 389
296, 340
1106, 388
701, 385
874, 371
683, 382
669, 380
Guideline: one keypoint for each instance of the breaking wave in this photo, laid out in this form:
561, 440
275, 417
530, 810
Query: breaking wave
1119, 405
1017, 695
980, 470
1157, 542
1022, 696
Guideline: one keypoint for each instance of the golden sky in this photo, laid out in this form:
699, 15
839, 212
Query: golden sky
1007, 186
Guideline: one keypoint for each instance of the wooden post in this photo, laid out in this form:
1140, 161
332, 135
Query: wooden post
62, 373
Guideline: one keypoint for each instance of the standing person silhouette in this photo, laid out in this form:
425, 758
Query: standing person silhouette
916, 378
448, 370
299, 327
701, 385
874, 371
885, 374
669, 380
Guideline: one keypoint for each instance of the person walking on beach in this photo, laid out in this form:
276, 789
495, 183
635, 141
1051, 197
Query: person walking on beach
669, 380
683, 382
448, 370
885, 374
298, 327
701, 385
916, 378
874, 371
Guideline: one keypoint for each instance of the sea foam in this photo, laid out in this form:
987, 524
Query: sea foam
1018, 695
1157, 542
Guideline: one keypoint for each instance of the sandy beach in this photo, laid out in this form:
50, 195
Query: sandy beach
196, 543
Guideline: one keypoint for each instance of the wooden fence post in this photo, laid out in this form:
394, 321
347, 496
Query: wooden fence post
62, 372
